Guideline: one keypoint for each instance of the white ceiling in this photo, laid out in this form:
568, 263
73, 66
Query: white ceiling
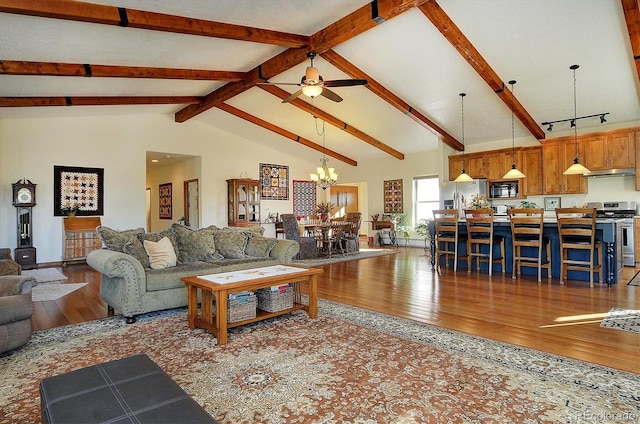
531, 41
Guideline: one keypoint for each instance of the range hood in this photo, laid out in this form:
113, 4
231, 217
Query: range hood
616, 172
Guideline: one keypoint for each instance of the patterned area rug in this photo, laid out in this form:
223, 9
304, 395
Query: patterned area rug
622, 319
53, 290
348, 365
362, 254
45, 275
635, 281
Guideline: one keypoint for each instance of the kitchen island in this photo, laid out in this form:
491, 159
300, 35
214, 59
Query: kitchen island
605, 232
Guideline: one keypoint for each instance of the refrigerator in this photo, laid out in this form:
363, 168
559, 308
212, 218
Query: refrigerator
458, 195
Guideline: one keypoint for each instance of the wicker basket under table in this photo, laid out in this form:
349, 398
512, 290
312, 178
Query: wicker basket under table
275, 300
241, 308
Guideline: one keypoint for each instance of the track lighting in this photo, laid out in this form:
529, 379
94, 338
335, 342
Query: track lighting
550, 127
602, 120
572, 121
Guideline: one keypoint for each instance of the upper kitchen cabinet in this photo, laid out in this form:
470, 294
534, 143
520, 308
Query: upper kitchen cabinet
557, 156
532, 168
611, 150
474, 165
498, 163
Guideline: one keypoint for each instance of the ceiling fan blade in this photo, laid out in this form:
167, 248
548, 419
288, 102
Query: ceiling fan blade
293, 96
345, 83
330, 95
279, 83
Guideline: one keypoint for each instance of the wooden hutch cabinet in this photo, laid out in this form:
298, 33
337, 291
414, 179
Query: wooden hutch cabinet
243, 202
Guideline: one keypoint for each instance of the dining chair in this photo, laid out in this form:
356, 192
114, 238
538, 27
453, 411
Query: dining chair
577, 232
447, 236
480, 236
351, 234
527, 226
308, 245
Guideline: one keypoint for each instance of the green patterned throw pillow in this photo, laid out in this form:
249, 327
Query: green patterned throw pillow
260, 247
195, 245
114, 239
231, 244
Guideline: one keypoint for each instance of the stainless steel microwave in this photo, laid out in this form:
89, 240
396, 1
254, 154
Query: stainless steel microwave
504, 189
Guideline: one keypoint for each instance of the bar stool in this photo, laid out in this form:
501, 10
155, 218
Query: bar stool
480, 233
447, 236
526, 231
577, 231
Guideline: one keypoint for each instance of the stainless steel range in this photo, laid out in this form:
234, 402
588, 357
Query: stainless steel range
623, 214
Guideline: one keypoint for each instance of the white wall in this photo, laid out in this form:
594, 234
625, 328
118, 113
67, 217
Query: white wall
30, 147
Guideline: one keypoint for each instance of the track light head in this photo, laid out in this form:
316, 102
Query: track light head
573, 123
602, 119
550, 128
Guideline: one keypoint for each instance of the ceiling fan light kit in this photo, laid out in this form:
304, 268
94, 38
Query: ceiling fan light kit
463, 177
314, 85
513, 173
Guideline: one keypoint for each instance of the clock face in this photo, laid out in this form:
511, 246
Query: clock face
24, 195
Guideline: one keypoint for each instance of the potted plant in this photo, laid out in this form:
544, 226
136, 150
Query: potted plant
422, 228
324, 209
528, 205
70, 209
479, 201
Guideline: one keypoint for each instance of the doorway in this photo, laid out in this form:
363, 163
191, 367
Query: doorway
191, 204
345, 198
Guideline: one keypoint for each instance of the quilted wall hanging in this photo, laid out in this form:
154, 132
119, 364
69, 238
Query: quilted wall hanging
165, 199
304, 198
76, 186
274, 181
393, 196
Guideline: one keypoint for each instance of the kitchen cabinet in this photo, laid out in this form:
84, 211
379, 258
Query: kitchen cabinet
474, 165
243, 203
609, 150
557, 156
498, 163
532, 168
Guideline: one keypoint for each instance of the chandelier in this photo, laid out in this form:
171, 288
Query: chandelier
324, 176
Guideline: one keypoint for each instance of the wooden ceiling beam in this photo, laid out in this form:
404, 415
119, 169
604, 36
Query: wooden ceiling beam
281, 131
452, 33
301, 104
350, 69
11, 67
96, 101
631, 10
348, 27
132, 18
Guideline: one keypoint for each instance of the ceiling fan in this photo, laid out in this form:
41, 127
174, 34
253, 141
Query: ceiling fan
313, 85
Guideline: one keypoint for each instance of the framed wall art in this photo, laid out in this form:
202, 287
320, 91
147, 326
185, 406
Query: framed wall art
164, 199
304, 198
393, 196
274, 181
80, 187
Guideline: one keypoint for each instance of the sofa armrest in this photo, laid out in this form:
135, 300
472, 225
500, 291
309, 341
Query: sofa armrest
11, 285
108, 262
285, 250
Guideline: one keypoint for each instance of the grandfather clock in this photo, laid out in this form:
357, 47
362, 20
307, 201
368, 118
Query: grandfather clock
24, 199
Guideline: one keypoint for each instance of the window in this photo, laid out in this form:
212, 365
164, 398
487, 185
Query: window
426, 197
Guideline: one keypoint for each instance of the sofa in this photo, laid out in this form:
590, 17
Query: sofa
141, 271
7, 265
16, 308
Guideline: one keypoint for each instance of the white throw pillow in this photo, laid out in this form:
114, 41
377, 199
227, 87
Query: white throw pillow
161, 253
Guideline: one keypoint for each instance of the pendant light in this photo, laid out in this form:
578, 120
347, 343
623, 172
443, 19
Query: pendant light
513, 172
463, 177
324, 177
576, 168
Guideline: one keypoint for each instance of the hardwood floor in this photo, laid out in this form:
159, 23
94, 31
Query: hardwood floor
563, 320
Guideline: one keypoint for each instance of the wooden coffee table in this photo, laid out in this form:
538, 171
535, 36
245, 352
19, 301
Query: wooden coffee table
219, 286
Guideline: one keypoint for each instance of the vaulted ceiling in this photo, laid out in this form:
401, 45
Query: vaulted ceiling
206, 60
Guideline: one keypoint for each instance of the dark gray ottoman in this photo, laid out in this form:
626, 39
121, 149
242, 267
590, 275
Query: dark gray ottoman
129, 390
